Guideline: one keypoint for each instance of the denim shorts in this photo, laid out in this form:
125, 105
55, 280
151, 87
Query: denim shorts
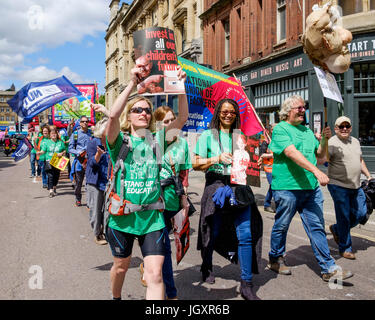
121, 243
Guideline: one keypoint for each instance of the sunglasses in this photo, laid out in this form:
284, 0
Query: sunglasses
84, 121
300, 108
226, 113
139, 110
347, 126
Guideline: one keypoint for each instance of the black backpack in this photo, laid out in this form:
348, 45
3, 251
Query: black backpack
368, 187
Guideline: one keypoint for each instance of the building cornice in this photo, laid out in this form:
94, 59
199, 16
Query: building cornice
114, 53
214, 8
110, 84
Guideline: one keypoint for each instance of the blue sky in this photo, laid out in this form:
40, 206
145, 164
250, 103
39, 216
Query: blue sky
44, 39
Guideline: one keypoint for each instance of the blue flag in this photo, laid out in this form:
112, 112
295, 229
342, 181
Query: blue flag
36, 97
22, 150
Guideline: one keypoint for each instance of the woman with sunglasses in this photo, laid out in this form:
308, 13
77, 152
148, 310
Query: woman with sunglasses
141, 183
176, 163
49, 148
213, 155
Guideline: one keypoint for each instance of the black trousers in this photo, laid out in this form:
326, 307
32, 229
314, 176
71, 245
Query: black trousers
79, 175
53, 176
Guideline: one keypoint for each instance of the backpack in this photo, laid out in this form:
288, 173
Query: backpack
368, 187
115, 204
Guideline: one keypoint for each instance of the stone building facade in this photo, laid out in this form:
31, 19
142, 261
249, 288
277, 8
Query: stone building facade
181, 16
7, 116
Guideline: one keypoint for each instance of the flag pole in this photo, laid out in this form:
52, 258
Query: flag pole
251, 106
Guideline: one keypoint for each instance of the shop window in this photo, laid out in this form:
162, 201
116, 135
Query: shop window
350, 6
366, 129
340, 82
281, 20
364, 78
273, 94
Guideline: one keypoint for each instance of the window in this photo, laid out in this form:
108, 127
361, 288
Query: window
274, 93
154, 16
364, 78
2, 109
366, 128
1, 118
350, 6
12, 118
7, 118
183, 36
226, 41
372, 4
281, 20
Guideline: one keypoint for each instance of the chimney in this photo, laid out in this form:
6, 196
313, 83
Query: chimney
114, 5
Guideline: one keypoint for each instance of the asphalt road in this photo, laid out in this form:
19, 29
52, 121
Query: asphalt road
48, 252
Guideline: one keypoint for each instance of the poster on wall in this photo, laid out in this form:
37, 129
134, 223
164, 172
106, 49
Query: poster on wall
75, 107
155, 54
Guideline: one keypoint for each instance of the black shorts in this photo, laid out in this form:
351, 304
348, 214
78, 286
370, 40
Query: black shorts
121, 243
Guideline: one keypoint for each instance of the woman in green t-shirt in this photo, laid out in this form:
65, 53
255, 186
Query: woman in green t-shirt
213, 154
49, 148
141, 187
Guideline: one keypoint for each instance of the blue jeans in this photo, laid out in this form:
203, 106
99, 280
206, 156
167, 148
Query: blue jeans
309, 204
243, 231
268, 199
350, 209
170, 288
33, 162
42, 165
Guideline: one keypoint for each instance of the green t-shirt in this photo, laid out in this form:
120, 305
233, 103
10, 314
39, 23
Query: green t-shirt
286, 174
141, 186
178, 152
65, 139
33, 140
50, 147
207, 147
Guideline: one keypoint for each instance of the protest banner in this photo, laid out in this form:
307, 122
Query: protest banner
155, 54
75, 107
245, 169
23, 150
59, 162
181, 234
36, 97
205, 88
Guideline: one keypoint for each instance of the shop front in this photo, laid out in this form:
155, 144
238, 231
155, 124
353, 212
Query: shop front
269, 83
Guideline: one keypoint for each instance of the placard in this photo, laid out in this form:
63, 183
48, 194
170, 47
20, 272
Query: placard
328, 85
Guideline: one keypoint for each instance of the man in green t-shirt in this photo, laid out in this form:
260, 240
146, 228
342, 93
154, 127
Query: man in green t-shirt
295, 182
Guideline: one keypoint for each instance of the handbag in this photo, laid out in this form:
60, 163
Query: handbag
47, 166
244, 196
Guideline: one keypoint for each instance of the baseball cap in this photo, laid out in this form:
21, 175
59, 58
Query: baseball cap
342, 119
